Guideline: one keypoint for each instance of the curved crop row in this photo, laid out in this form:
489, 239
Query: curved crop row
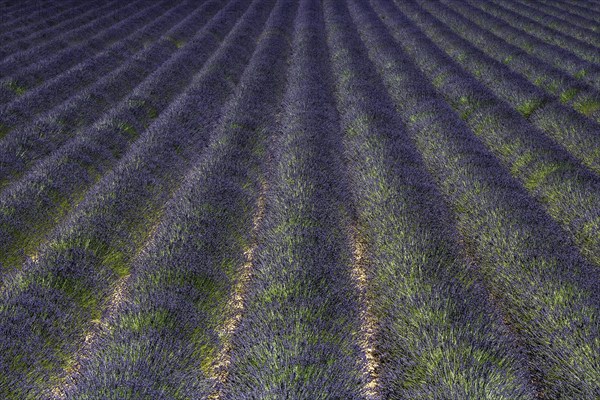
76, 165
569, 90
69, 43
49, 62
547, 292
56, 23
418, 282
551, 54
47, 307
49, 83
19, 110
178, 295
25, 14
575, 46
569, 192
32, 140
552, 23
566, 15
296, 338
68, 49
570, 11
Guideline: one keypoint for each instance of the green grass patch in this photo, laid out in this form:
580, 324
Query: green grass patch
587, 106
358, 125
128, 129
152, 112
3, 130
440, 78
568, 95
15, 87
177, 42
142, 321
540, 174
580, 74
521, 162
528, 107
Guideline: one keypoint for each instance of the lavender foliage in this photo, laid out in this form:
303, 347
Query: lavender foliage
314, 199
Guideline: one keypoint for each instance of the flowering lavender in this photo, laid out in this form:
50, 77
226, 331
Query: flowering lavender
565, 88
417, 280
314, 199
547, 291
581, 49
59, 47
544, 168
95, 150
30, 26
92, 249
547, 52
296, 338
550, 23
178, 294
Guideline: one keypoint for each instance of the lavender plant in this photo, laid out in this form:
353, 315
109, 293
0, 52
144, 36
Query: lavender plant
565, 88
297, 338
177, 300
22, 16
77, 165
18, 34
71, 277
549, 53
571, 195
581, 49
550, 23
541, 283
55, 126
419, 280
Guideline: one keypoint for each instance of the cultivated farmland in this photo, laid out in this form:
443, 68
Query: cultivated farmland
300, 199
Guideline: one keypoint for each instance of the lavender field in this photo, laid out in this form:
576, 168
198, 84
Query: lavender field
300, 199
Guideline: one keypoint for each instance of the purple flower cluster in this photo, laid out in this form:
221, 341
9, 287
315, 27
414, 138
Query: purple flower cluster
314, 199
547, 291
420, 281
92, 249
183, 279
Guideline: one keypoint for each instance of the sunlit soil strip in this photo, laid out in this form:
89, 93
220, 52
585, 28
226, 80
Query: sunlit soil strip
99, 326
91, 337
368, 326
235, 305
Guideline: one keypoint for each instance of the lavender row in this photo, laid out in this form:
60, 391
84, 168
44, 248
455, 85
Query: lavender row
568, 191
176, 308
71, 44
583, 50
15, 16
50, 64
584, 16
567, 17
548, 24
28, 13
47, 84
74, 111
75, 166
589, 9
551, 54
13, 9
56, 22
569, 90
574, 132
48, 307
438, 335
67, 83
547, 292
296, 337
